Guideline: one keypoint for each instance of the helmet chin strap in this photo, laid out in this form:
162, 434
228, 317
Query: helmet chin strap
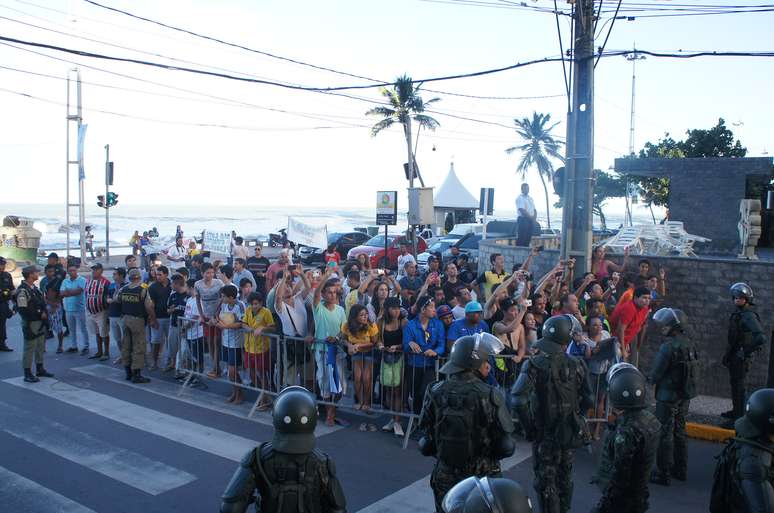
485, 487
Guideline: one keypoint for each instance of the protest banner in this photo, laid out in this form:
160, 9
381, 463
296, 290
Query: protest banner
307, 234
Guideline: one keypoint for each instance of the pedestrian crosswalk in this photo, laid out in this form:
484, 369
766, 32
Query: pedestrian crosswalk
22, 494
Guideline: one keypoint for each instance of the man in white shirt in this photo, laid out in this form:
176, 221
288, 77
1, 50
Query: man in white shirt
404, 258
178, 252
527, 215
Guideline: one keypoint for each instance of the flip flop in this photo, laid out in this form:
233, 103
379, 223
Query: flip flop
363, 427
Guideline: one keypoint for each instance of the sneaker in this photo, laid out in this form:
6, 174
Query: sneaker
84, 351
398, 429
388, 427
31, 379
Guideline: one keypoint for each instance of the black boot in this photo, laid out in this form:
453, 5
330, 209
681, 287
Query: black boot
139, 378
659, 478
128, 373
29, 377
42, 372
4, 348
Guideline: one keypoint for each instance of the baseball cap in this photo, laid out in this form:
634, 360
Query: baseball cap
52, 255
96, 266
473, 307
444, 311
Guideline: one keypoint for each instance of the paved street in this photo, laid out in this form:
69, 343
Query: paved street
88, 441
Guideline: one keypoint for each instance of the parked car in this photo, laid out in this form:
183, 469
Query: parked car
344, 241
438, 247
469, 243
374, 248
459, 231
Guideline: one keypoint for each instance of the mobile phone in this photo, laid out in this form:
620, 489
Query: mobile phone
527, 303
316, 274
292, 267
380, 272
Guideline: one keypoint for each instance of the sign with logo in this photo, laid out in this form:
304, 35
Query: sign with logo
387, 208
307, 234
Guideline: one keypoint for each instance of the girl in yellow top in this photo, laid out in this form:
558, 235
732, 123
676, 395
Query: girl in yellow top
361, 337
256, 323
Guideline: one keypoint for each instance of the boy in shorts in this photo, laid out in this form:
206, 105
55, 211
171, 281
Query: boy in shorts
230, 317
257, 322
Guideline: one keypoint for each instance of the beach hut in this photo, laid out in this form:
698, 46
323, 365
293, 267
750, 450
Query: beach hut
453, 203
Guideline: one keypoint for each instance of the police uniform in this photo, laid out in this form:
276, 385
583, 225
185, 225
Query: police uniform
629, 449
32, 309
466, 424
6, 294
751, 461
556, 428
745, 338
675, 374
135, 303
289, 475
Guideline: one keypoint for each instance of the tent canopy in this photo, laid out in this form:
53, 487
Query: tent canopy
452, 194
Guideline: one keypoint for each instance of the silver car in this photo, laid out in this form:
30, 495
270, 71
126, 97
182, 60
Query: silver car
437, 248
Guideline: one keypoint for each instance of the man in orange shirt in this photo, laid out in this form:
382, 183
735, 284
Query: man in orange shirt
629, 317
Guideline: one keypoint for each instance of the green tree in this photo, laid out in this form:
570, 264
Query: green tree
606, 185
404, 105
538, 146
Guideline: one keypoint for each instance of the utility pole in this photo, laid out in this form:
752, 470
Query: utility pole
407, 127
579, 168
108, 178
75, 117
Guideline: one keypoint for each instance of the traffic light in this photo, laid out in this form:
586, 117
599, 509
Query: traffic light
101, 201
112, 199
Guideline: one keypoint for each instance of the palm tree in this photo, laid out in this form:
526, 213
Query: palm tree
537, 148
405, 105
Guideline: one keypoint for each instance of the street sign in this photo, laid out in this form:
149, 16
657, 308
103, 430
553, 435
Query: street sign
109, 173
387, 208
486, 201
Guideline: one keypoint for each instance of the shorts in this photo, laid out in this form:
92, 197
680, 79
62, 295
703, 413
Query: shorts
324, 377
392, 373
211, 333
231, 355
97, 324
261, 362
363, 357
159, 335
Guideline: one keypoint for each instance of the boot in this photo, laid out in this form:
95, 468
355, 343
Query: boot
659, 478
29, 377
680, 475
4, 348
139, 378
42, 373
128, 370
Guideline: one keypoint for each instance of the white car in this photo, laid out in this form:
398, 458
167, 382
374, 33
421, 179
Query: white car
458, 232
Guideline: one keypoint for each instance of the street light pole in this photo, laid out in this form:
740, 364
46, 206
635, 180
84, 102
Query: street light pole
107, 207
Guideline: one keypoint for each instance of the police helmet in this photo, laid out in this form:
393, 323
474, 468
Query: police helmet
760, 410
669, 319
558, 330
626, 386
742, 290
295, 417
470, 352
486, 495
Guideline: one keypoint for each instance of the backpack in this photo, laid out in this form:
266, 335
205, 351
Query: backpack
292, 484
559, 403
686, 363
725, 492
458, 441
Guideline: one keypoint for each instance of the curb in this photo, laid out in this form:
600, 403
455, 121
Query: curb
708, 432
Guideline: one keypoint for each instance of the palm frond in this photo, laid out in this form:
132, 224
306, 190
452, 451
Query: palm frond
427, 121
381, 125
381, 111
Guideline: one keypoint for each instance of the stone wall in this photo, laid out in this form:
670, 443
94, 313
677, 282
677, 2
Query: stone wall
699, 287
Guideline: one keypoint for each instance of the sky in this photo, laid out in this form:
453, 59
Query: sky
171, 147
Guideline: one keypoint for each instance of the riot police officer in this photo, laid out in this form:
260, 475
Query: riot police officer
32, 309
6, 294
675, 374
549, 396
745, 338
487, 495
290, 475
466, 424
629, 450
749, 461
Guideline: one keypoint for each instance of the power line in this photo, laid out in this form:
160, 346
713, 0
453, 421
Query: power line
604, 43
561, 52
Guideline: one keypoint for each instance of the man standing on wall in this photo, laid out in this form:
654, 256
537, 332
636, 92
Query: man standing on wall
526, 216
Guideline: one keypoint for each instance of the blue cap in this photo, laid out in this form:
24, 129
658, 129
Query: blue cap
473, 307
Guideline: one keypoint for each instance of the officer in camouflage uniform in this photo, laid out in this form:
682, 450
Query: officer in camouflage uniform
629, 449
675, 373
556, 427
32, 309
465, 422
487, 495
745, 338
288, 473
136, 309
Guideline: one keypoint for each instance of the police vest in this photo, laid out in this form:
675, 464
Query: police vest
133, 301
290, 483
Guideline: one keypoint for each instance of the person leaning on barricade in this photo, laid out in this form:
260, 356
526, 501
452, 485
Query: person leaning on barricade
466, 424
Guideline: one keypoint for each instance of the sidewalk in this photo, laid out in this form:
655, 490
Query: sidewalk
704, 421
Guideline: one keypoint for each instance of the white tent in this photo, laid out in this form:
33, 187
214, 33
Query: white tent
453, 195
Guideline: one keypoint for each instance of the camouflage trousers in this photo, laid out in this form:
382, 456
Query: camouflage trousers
672, 456
553, 476
445, 477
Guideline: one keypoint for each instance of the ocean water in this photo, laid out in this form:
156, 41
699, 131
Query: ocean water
247, 221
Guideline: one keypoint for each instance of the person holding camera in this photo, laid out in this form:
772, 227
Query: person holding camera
32, 309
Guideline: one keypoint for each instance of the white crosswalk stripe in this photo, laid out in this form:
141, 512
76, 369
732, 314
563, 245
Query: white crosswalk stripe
123, 465
19, 494
418, 497
192, 434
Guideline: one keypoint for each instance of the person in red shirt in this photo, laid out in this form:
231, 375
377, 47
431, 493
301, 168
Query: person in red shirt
331, 255
629, 317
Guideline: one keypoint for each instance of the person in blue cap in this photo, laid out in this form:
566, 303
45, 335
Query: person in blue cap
470, 325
